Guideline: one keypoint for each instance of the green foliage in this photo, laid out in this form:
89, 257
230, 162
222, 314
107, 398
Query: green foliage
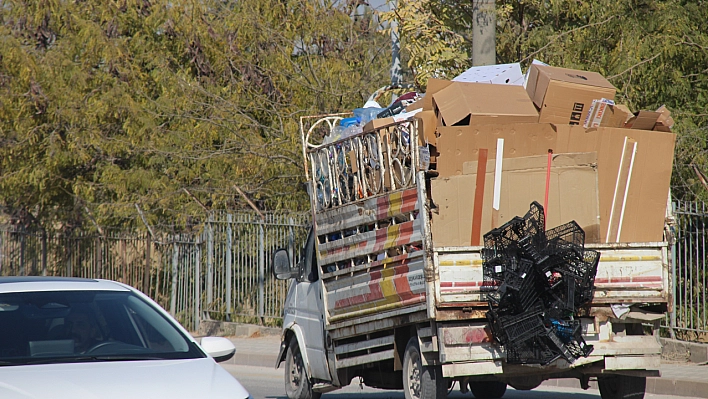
111, 103
654, 52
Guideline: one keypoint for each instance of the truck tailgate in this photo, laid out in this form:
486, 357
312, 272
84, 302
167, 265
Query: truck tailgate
627, 273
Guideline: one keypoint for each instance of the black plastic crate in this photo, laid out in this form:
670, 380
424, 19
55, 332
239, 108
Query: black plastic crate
566, 234
532, 351
517, 327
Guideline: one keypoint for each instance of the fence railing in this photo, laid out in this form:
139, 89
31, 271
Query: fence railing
689, 319
220, 272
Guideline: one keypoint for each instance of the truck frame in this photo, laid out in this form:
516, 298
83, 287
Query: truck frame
374, 297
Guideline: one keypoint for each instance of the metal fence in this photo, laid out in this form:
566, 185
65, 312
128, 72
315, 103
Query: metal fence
187, 273
219, 272
689, 319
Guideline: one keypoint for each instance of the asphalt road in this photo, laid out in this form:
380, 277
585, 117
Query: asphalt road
267, 383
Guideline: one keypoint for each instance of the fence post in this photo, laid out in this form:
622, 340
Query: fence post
210, 264
261, 270
148, 265
173, 290
44, 252
23, 270
229, 220
197, 283
672, 322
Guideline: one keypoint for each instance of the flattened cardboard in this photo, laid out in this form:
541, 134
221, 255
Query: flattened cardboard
648, 190
459, 144
564, 95
573, 195
480, 103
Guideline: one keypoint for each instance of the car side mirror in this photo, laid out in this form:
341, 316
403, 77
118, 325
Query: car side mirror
282, 268
221, 349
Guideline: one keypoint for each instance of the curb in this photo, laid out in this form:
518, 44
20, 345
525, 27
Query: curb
215, 328
682, 350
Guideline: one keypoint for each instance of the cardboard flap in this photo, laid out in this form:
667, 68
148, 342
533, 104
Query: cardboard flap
644, 120
461, 101
434, 86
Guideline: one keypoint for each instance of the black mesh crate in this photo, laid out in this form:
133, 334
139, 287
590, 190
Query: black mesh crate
517, 327
532, 351
566, 234
521, 287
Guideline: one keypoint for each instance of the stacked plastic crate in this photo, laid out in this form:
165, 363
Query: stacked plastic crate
540, 279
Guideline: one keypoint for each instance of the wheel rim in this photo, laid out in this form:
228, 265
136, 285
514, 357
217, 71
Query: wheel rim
295, 371
414, 376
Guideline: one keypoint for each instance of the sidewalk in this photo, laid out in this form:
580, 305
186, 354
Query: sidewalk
677, 378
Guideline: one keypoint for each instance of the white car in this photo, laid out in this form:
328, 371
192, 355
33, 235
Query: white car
95, 339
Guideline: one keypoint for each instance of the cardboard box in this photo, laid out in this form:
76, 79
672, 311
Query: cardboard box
501, 74
665, 121
564, 96
377, 123
634, 176
459, 144
573, 195
605, 113
647, 188
461, 104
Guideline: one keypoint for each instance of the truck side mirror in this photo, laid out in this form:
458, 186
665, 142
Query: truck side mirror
281, 265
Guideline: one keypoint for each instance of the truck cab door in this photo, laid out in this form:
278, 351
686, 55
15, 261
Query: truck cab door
308, 311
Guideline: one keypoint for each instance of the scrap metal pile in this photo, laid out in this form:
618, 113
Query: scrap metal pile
539, 279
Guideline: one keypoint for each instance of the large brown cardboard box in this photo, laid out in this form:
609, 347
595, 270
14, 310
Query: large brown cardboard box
459, 144
564, 96
573, 195
481, 103
634, 176
647, 189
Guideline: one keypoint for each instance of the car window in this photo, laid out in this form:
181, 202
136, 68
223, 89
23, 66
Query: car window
64, 326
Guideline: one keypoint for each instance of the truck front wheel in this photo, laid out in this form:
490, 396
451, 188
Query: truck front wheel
421, 382
297, 383
622, 387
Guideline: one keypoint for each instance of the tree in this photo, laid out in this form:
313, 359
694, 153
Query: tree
171, 105
654, 52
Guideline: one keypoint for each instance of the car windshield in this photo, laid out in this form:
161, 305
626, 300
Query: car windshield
75, 326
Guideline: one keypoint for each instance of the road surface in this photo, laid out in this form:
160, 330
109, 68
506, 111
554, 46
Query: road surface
267, 383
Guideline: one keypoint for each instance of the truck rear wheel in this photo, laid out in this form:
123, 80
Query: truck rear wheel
297, 383
421, 382
622, 387
488, 389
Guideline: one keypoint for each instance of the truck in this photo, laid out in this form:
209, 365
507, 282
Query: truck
373, 296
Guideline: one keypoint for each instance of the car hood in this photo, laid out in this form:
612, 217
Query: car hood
155, 379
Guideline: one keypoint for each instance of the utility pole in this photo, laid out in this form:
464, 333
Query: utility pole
396, 75
484, 23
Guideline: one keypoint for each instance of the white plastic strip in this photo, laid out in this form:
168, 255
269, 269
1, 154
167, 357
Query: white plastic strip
614, 196
626, 190
498, 174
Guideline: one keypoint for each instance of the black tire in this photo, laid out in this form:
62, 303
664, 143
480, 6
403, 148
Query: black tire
297, 383
622, 387
421, 382
488, 389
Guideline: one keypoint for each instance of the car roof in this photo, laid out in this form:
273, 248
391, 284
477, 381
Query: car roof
42, 283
